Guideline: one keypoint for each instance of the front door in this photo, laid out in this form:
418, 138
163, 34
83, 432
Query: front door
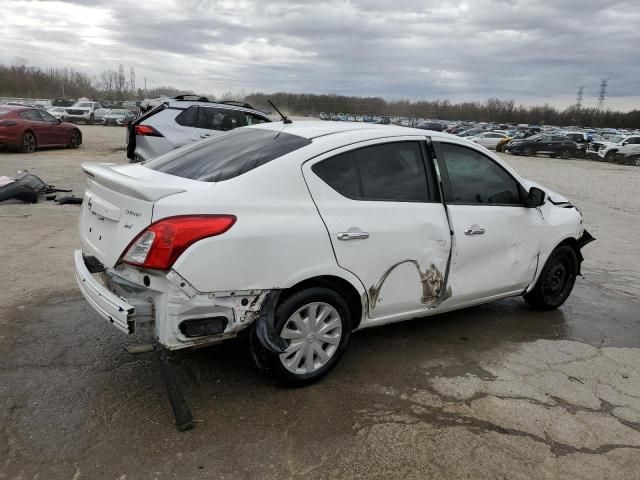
497, 239
386, 223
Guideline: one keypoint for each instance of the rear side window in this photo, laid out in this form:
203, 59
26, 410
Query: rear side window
340, 173
31, 115
393, 171
389, 172
227, 155
217, 119
188, 117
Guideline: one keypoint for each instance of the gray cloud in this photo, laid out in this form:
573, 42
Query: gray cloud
457, 49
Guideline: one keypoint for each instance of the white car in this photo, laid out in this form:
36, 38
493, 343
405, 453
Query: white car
83, 112
609, 150
301, 233
487, 139
58, 112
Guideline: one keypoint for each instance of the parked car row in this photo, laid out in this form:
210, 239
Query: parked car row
93, 113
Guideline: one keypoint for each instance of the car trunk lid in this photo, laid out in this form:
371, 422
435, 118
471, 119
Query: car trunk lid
118, 205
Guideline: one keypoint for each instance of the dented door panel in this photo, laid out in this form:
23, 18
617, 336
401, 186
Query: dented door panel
503, 259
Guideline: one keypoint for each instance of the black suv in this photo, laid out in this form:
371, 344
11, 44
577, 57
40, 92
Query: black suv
553, 145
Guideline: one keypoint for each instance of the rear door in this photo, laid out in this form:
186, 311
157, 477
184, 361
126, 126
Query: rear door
497, 239
380, 205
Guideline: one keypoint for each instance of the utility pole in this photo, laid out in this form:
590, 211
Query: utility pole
145, 87
579, 98
132, 80
603, 93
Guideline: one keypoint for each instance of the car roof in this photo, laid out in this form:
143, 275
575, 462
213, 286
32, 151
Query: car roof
311, 129
184, 104
16, 107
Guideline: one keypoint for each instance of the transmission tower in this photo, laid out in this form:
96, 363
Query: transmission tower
579, 98
603, 93
132, 80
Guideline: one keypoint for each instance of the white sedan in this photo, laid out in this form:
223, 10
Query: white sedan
303, 233
487, 139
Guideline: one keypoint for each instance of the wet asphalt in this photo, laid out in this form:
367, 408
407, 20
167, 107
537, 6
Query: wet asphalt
75, 403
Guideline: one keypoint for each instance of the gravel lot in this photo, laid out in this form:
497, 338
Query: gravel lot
496, 391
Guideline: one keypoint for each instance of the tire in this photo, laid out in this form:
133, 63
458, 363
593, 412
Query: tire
28, 143
303, 365
609, 156
566, 154
76, 139
556, 280
527, 152
499, 148
91, 119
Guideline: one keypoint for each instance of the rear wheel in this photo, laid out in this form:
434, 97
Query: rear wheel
28, 143
316, 324
566, 154
556, 280
528, 151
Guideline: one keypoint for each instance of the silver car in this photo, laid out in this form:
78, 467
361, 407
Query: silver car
180, 121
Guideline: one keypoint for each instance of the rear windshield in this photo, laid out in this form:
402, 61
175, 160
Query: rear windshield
227, 155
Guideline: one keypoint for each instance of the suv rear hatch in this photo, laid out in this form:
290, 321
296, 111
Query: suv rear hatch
118, 205
131, 129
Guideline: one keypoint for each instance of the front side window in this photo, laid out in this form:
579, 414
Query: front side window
476, 179
47, 117
392, 172
227, 155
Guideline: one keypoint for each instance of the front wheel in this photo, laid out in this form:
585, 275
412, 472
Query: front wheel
528, 151
556, 280
92, 119
566, 154
316, 325
75, 139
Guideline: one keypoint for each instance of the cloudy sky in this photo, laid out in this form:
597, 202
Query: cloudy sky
531, 51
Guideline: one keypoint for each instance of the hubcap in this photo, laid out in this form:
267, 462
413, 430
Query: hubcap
314, 332
556, 279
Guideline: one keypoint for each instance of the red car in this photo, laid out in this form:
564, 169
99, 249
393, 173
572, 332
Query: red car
27, 129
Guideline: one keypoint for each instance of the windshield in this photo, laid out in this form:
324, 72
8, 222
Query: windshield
227, 155
118, 112
616, 138
83, 105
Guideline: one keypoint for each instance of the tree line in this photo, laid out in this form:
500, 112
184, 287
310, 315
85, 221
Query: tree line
22, 80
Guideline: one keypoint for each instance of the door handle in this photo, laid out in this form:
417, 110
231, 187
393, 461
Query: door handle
474, 230
353, 236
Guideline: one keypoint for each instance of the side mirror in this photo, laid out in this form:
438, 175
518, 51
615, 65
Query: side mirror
59, 121
535, 198
624, 143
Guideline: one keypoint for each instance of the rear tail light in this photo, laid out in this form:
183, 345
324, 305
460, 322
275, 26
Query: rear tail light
147, 131
8, 123
160, 245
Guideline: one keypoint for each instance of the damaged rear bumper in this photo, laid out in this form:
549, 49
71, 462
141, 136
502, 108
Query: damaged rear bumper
181, 316
110, 307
